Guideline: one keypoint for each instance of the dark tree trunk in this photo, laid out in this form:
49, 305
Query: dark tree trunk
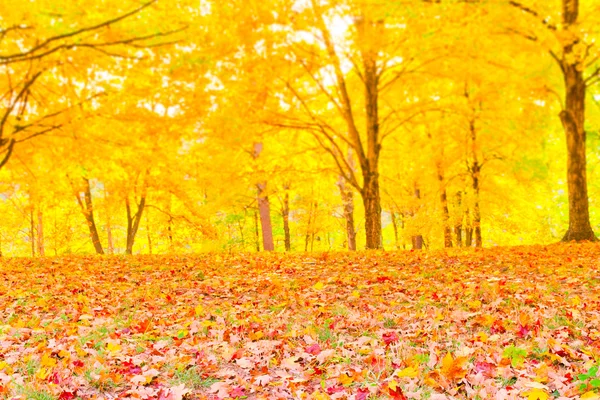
475, 169
148, 236
445, 211
458, 227
468, 229
133, 221
573, 120
372, 204
285, 213
87, 209
348, 202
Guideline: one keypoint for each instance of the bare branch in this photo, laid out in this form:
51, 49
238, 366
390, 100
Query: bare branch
9, 150
533, 13
25, 54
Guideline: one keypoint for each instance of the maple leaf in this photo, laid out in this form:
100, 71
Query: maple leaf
390, 337
536, 394
452, 368
67, 395
395, 391
313, 349
362, 394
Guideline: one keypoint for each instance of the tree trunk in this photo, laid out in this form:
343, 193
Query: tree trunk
458, 227
445, 211
395, 225
285, 213
348, 202
148, 234
257, 240
475, 169
264, 208
32, 230
133, 222
372, 204
468, 229
40, 233
86, 206
417, 240
476, 210
110, 248
573, 120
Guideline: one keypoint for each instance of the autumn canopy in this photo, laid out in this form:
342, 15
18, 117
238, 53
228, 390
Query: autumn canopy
183, 126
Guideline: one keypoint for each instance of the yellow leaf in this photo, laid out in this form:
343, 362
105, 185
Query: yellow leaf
590, 395
42, 373
48, 360
318, 286
409, 372
541, 373
356, 293
318, 395
536, 394
256, 335
575, 300
113, 347
393, 385
474, 305
481, 337
198, 310
345, 380
64, 354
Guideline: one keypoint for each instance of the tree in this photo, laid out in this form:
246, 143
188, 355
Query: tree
575, 53
33, 58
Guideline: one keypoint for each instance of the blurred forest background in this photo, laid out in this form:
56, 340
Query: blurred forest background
189, 126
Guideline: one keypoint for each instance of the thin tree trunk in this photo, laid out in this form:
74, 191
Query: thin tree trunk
348, 202
148, 234
475, 169
417, 240
285, 213
86, 206
468, 229
395, 225
40, 233
264, 208
256, 230
372, 204
32, 230
573, 121
458, 227
445, 211
133, 222
308, 227
110, 248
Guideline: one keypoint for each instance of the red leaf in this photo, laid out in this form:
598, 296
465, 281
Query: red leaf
67, 395
362, 394
397, 394
313, 349
390, 337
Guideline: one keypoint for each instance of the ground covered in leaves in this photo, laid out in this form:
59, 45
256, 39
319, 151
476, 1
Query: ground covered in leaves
491, 324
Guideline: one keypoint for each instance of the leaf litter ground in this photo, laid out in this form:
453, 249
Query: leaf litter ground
507, 323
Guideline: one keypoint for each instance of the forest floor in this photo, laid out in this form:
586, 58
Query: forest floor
506, 323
